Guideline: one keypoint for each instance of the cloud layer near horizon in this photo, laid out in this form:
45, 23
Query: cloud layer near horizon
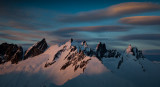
152, 52
140, 37
121, 9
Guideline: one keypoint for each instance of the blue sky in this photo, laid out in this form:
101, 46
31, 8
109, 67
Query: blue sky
117, 23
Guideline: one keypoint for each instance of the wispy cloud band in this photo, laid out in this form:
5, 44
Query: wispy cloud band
141, 20
112, 11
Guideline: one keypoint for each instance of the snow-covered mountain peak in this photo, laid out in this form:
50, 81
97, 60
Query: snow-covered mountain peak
77, 45
134, 51
84, 43
128, 50
70, 43
71, 58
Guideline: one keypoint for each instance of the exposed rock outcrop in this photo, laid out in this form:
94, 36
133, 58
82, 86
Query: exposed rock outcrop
112, 53
74, 55
100, 50
10, 52
17, 56
36, 49
135, 52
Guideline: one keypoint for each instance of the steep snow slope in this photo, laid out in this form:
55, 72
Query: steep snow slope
33, 73
141, 72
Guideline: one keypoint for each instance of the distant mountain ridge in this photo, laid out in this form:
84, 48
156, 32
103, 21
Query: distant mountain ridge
39, 47
60, 64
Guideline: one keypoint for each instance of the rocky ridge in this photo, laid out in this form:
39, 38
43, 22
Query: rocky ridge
14, 53
77, 52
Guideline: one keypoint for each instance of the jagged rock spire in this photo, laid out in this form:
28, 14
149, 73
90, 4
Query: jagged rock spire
36, 49
43, 40
128, 50
71, 40
100, 50
134, 51
84, 43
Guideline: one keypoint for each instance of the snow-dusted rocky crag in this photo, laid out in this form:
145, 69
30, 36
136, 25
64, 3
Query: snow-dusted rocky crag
10, 52
74, 64
14, 53
36, 49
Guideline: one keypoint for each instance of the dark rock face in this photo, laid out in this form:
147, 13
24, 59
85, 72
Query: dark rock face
137, 53
1, 59
14, 53
90, 53
71, 40
100, 50
87, 51
74, 58
3, 47
36, 49
84, 43
107, 53
112, 53
119, 63
17, 56
10, 52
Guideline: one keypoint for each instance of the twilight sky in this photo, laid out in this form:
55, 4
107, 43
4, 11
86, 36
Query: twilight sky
117, 23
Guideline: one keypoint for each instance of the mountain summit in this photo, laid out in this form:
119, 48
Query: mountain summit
134, 51
36, 49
